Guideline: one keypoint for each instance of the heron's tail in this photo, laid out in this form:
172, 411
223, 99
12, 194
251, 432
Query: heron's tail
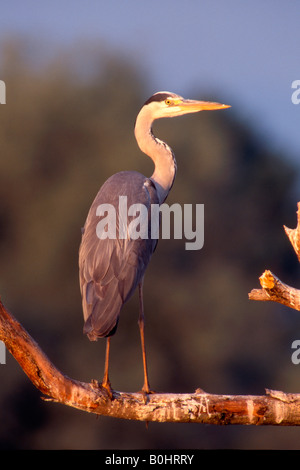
101, 313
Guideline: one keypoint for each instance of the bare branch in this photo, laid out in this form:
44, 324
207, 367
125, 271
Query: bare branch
274, 408
272, 288
275, 290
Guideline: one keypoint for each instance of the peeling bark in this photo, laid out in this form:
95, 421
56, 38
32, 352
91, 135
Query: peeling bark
273, 289
274, 408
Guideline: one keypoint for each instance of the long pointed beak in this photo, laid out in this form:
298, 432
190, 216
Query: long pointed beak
192, 106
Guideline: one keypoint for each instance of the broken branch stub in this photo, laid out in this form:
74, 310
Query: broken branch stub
273, 289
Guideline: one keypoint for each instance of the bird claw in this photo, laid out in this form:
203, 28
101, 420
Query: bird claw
107, 387
104, 386
146, 392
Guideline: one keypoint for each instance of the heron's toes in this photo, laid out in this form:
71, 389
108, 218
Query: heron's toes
108, 389
104, 386
146, 392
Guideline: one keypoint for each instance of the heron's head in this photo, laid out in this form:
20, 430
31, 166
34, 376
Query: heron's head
165, 104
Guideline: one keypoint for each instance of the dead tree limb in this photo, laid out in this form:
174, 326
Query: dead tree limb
275, 290
274, 408
272, 288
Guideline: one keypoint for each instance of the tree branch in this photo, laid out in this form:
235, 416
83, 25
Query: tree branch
274, 408
275, 290
272, 288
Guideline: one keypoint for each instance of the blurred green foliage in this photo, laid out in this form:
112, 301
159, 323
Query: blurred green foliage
67, 126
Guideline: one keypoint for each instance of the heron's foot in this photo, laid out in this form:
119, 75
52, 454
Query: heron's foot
103, 385
107, 387
146, 392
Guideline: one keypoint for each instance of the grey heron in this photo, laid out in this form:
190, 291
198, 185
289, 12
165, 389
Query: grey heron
110, 269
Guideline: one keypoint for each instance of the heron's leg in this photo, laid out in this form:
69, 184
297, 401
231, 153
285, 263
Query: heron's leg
106, 382
146, 387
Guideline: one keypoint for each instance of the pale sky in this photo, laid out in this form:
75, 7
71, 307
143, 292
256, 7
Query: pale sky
245, 52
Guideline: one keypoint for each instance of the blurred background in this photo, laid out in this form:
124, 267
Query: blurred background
76, 74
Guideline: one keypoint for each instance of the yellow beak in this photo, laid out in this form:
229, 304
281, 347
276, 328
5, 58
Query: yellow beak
191, 106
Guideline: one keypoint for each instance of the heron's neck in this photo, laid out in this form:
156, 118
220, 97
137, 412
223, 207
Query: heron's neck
161, 154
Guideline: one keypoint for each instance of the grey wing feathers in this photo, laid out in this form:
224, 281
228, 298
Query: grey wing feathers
110, 269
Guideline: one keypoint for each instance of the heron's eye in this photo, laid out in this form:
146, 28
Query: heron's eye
168, 102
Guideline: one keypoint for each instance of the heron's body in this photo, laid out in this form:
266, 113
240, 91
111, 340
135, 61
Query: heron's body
110, 269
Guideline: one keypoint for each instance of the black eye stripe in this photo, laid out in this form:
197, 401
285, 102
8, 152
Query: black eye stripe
158, 97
